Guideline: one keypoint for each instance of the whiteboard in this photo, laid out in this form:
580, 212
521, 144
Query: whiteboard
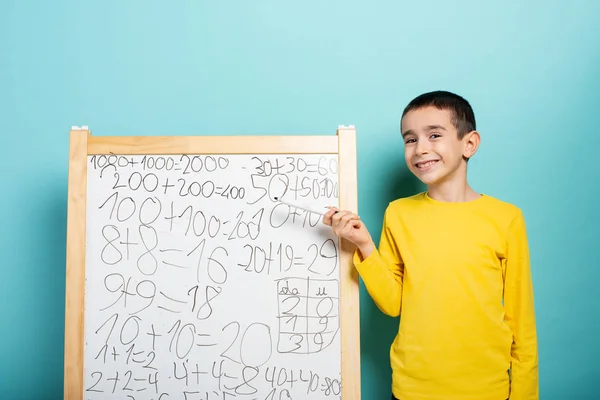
199, 285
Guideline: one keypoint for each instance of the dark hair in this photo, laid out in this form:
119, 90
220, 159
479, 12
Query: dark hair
463, 116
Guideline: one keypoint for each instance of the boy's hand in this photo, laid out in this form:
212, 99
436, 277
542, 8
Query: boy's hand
348, 226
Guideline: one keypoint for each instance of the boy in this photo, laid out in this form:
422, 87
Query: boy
454, 264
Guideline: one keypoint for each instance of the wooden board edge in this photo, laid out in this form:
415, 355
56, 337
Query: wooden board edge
75, 265
349, 291
83, 144
131, 145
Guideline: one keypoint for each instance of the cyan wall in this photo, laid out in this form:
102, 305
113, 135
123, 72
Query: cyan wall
531, 70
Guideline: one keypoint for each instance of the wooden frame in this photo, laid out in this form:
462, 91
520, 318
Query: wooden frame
82, 144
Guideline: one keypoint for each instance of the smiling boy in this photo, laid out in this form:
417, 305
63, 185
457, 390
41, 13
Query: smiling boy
454, 264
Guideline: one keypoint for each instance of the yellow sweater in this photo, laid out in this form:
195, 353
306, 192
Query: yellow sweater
458, 275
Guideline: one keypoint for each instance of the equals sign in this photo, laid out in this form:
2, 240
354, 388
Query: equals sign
205, 344
298, 263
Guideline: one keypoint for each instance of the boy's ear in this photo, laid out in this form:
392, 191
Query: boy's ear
471, 142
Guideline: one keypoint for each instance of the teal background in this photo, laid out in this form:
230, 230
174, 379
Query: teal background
530, 69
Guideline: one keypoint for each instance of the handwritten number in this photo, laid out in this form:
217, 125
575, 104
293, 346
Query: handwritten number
176, 337
207, 306
135, 319
91, 388
220, 270
287, 312
316, 249
116, 185
174, 329
235, 228
332, 386
318, 340
187, 165
146, 296
116, 196
251, 354
236, 326
261, 188
327, 250
128, 380
192, 329
289, 253
250, 389
121, 288
151, 353
198, 270
259, 168
111, 254
298, 342
195, 289
148, 253
113, 317
104, 350
153, 218
330, 246
247, 265
182, 186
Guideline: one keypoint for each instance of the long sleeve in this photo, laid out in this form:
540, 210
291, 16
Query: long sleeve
382, 272
520, 315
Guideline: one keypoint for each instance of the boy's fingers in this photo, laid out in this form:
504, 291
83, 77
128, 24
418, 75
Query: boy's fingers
328, 214
332, 210
345, 218
351, 221
337, 216
338, 219
348, 216
341, 221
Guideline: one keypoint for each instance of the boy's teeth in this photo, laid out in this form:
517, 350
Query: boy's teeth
425, 164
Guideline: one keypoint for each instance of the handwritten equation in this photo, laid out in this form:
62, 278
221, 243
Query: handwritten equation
201, 286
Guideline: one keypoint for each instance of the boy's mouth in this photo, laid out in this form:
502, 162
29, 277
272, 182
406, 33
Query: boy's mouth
426, 164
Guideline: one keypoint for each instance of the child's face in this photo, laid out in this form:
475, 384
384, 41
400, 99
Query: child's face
432, 149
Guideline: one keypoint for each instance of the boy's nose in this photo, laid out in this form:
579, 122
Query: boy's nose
422, 148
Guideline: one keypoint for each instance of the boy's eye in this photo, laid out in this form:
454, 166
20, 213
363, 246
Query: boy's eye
410, 141
435, 135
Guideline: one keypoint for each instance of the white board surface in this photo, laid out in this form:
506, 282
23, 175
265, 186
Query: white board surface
199, 285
